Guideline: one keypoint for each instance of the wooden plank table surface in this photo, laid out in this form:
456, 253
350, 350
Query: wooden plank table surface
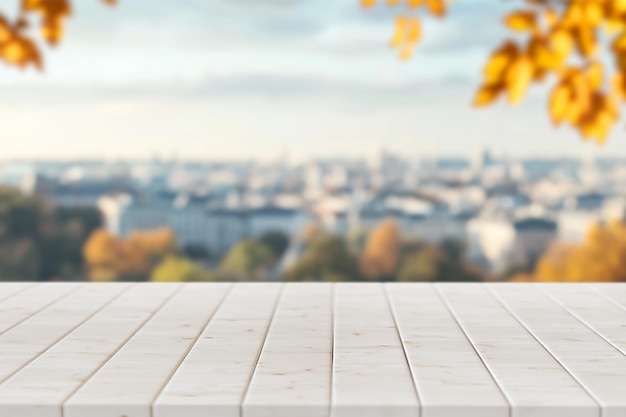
312, 350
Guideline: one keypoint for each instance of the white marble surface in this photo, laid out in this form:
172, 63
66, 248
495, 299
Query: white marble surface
312, 350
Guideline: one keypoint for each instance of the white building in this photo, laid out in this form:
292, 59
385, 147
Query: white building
499, 242
415, 216
217, 230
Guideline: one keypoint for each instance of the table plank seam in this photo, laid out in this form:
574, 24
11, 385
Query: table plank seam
64, 335
582, 320
15, 292
39, 310
115, 351
606, 296
331, 394
476, 350
191, 345
547, 349
406, 358
258, 356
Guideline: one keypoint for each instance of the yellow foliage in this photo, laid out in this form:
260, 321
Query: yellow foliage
522, 21
601, 257
380, 256
407, 33
110, 258
560, 40
518, 78
17, 48
153, 242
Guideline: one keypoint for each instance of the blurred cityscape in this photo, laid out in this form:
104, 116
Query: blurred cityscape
385, 218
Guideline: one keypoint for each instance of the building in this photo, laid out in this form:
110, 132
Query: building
497, 243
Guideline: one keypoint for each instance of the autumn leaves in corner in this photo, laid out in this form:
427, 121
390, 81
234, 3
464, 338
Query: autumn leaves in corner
553, 38
17, 45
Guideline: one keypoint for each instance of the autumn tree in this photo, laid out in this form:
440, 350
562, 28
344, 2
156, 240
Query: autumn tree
551, 40
380, 256
601, 257
110, 258
153, 243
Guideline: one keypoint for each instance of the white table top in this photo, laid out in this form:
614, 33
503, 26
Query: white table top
312, 350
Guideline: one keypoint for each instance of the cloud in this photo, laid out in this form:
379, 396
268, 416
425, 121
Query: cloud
268, 87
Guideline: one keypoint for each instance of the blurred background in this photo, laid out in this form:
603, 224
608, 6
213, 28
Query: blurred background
269, 140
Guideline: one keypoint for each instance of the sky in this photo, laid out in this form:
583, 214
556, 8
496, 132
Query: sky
258, 78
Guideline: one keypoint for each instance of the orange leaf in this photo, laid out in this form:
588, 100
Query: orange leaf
399, 35
518, 78
5, 31
406, 52
499, 61
415, 3
413, 30
586, 41
595, 73
619, 84
619, 44
559, 101
592, 13
486, 95
521, 21
437, 7
561, 42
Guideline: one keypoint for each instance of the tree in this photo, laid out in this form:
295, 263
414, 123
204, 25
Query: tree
196, 252
443, 263
601, 257
109, 258
178, 269
61, 251
154, 243
310, 231
422, 265
326, 258
552, 39
356, 240
247, 260
380, 257
454, 268
19, 261
276, 242
41, 242
17, 47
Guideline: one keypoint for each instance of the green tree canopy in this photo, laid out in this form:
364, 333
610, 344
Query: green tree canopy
247, 260
277, 242
327, 258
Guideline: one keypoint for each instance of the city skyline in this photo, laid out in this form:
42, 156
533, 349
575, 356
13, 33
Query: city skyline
243, 79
